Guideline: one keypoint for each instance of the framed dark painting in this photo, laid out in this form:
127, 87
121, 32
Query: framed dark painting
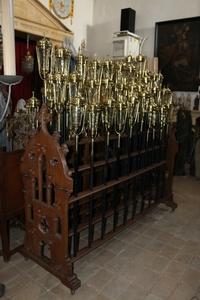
177, 46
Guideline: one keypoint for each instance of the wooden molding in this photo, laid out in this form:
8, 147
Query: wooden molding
32, 17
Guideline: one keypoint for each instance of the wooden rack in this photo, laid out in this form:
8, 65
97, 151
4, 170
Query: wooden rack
11, 197
64, 223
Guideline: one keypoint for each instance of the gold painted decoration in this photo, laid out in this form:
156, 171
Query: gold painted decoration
62, 8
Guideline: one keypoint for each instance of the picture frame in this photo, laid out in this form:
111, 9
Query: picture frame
62, 8
177, 46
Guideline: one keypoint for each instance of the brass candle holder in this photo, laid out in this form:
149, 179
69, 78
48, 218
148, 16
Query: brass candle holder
120, 94
92, 125
77, 112
32, 107
44, 57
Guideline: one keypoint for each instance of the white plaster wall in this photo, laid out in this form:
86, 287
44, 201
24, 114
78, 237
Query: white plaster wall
83, 17
106, 20
96, 20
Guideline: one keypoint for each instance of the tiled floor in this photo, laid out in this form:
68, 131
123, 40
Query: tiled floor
156, 259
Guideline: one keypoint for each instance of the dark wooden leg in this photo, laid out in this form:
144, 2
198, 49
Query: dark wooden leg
2, 290
4, 229
170, 202
171, 153
69, 277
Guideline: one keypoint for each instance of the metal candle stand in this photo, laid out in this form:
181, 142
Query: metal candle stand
104, 103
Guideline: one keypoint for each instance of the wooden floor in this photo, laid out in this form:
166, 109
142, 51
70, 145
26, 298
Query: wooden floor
157, 259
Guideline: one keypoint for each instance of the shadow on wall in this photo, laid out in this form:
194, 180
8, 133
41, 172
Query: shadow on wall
99, 39
148, 47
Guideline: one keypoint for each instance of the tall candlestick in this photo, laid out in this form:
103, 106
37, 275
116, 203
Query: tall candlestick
8, 37
155, 64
